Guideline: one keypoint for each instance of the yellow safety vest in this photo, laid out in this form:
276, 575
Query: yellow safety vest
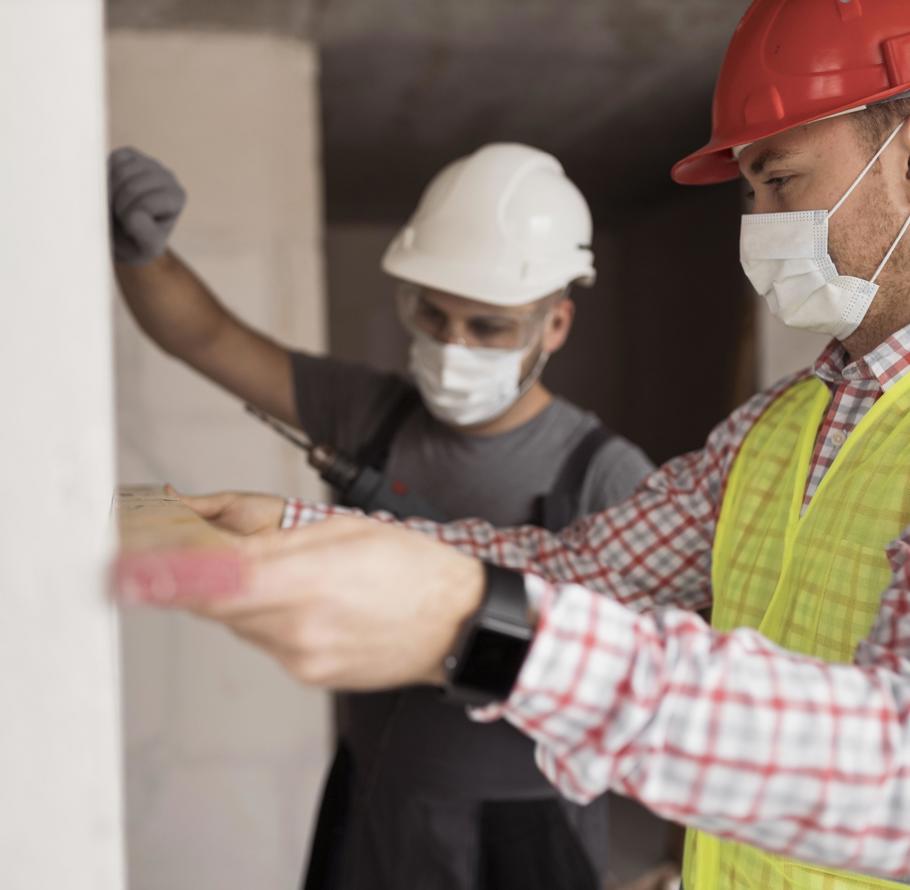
812, 582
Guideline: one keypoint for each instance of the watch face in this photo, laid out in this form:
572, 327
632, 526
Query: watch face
494, 662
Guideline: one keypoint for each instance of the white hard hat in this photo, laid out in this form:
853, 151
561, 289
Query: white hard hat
503, 225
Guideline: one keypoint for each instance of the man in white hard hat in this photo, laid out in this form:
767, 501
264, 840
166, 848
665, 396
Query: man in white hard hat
420, 796
780, 734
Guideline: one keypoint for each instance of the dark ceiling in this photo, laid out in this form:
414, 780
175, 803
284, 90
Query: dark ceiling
617, 89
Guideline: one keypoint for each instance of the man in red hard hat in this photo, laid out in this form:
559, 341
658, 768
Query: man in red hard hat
780, 734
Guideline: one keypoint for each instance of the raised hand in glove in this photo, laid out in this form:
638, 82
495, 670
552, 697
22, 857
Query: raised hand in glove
145, 200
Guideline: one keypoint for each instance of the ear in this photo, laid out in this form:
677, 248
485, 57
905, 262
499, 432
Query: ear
558, 325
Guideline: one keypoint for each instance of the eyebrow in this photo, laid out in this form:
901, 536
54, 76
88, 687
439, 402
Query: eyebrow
768, 156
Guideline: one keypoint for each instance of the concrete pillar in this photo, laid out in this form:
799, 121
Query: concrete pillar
60, 753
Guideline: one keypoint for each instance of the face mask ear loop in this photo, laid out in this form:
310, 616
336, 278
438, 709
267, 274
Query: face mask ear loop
536, 369
897, 240
866, 169
533, 375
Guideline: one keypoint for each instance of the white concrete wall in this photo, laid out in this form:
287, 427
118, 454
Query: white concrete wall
224, 753
60, 755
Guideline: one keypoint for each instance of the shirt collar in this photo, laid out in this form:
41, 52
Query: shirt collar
886, 364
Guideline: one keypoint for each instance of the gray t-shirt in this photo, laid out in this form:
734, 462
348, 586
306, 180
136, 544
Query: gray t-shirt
498, 478
420, 763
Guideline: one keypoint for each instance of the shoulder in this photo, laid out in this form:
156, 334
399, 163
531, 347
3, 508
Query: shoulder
729, 434
617, 468
342, 402
612, 466
620, 466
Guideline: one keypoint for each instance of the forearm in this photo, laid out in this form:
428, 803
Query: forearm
607, 552
724, 732
179, 312
172, 305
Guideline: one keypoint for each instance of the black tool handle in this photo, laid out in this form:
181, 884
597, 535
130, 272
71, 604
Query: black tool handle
371, 491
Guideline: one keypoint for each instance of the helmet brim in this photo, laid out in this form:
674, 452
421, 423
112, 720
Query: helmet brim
714, 163
484, 286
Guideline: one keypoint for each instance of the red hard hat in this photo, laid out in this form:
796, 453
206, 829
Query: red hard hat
792, 62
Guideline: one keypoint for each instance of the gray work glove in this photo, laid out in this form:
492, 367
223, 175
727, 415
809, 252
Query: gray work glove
145, 201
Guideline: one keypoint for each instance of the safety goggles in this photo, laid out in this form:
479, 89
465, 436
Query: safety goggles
447, 321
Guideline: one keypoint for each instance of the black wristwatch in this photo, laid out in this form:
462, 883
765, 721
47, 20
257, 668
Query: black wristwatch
493, 643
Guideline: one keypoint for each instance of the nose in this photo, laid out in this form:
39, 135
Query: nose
453, 334
761, 201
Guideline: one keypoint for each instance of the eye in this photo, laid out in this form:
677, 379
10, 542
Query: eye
488, 327
777, 182
429, 313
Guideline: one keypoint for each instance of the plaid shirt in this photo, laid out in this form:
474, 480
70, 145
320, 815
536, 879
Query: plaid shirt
722, 731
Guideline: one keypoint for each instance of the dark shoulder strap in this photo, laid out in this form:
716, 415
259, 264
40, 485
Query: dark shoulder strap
560, 507
375, 451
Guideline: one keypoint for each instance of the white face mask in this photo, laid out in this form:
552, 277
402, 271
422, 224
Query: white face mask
785, 256
464, 385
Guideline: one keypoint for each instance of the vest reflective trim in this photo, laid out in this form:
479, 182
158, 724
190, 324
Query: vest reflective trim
810, 581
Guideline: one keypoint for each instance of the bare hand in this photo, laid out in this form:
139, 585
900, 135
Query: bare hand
348, 603
235, 511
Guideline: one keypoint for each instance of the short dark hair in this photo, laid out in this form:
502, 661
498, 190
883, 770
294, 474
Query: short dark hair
877, 121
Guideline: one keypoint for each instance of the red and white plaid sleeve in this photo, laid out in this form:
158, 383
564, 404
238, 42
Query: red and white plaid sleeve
728, 732
652, 550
